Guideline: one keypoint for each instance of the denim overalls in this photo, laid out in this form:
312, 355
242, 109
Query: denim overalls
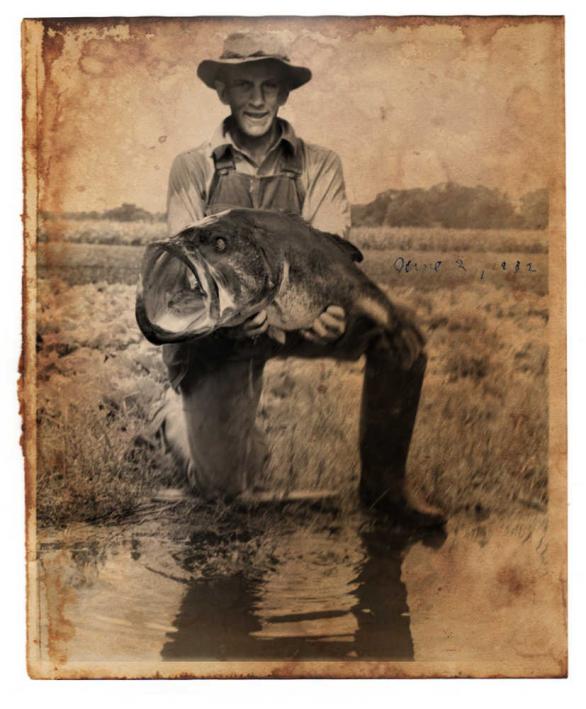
221, 383
279, 192
220, 378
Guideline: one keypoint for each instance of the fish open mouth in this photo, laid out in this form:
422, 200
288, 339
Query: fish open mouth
176, 300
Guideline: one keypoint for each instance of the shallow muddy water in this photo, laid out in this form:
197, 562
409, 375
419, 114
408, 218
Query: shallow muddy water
351, 589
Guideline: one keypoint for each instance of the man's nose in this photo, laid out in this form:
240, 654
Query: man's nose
257, 96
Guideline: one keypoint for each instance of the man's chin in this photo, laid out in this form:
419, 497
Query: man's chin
257, 132
256, 129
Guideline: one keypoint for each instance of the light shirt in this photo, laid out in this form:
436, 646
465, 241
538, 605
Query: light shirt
325, 204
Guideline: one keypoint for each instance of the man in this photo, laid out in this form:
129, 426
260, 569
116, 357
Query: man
255, 160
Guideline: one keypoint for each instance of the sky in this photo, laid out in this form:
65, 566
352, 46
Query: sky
404, 102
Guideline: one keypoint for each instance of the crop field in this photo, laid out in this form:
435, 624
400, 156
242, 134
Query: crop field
480, 445
100, 231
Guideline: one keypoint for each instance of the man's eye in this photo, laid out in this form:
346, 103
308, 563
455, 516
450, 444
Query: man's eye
271, 85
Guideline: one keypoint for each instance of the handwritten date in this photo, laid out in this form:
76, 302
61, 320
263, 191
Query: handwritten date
407, 265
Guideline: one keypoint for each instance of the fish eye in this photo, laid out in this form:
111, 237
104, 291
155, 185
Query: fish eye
220, 245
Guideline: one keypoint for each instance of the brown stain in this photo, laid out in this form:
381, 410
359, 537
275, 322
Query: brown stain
25, 384
103, 57
511, 579
476, 29
51, 108
60, 629
517, 585
481, 33
336, 671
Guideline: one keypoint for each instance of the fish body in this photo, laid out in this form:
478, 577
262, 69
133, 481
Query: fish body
231, 265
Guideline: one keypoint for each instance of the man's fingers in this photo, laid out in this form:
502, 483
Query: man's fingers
257, 319
329, 326
320, 333
256, 325
336, 311
333, 322
320, 329
311, 336
258, 330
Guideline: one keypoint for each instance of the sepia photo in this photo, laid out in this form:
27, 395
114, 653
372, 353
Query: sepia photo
293, 369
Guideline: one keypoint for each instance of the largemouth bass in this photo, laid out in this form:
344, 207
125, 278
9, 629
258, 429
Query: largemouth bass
234, 264
230, 266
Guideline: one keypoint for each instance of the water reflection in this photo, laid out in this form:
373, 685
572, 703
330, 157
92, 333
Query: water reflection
382, 612
326, 587
327, 595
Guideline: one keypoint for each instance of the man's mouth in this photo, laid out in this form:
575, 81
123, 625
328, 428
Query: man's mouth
256, 116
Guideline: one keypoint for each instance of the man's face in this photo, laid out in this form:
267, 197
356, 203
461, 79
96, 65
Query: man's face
254, 92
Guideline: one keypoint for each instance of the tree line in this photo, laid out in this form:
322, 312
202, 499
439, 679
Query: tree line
126, 212
448, 205
454, 206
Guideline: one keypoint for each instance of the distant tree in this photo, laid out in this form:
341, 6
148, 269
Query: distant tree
409, 208
455, 206
490, 209
447, 204
127, 213
534, 210
373, 213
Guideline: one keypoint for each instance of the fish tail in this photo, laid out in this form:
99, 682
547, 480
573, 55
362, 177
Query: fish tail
376, 307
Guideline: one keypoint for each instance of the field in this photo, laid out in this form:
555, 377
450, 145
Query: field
481, 440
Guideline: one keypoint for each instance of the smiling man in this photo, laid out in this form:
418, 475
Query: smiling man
255, 160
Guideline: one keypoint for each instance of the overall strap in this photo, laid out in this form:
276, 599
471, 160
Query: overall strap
221, 190
223, 159
291, 165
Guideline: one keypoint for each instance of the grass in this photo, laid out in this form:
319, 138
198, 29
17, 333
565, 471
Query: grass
480, 444
101, 231
139, 233
434, 239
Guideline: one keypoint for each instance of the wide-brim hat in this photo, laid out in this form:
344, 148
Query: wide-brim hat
246, 47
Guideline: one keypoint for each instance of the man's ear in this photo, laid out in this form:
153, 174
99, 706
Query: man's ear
221, 91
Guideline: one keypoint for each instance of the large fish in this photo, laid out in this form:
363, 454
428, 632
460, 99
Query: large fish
230, 266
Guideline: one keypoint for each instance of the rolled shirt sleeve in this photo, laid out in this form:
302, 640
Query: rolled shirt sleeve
326, 206
186, 192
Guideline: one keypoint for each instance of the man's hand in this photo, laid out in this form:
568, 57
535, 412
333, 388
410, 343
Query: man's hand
254, 326
329, 326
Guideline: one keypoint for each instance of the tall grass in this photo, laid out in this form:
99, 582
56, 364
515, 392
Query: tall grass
140, 233
101, 231
480, 441
438, 239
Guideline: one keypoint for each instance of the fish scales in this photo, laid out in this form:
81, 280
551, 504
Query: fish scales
230, 266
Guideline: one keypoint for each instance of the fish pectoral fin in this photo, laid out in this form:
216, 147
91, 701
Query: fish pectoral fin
277, 334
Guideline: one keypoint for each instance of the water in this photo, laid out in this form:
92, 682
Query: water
323, 597
327, 590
